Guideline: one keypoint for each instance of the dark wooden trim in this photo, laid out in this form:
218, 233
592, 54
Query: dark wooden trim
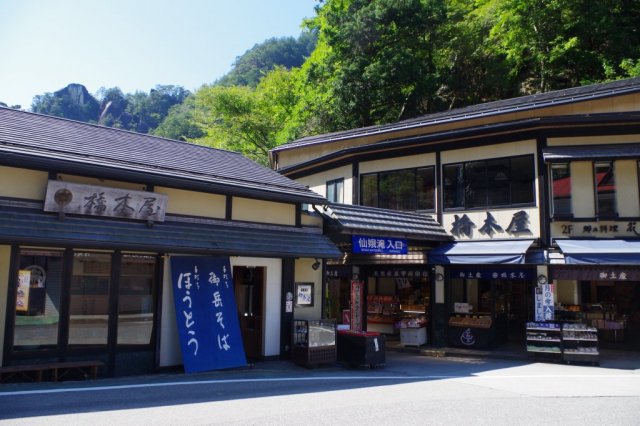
544, 203
114, 297
439, 193
228, 213
10, 314
157, 315
65, 304
286, 318
355, 187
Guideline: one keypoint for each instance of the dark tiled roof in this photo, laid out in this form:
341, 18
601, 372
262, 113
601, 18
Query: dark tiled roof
359, 219
32, 226
34, 137
524, 103
594, 152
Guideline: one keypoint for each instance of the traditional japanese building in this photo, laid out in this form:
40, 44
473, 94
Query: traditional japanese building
535, 190
92, 220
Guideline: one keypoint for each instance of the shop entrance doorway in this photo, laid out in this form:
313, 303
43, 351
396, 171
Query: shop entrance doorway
249, 292
518, 298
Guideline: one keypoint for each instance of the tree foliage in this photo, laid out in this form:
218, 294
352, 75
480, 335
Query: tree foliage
367, 62
140, 112
287, 52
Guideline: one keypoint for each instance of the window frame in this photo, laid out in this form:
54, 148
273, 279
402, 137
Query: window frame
335, 183
552, 192
415, 197
463, 166
597, 194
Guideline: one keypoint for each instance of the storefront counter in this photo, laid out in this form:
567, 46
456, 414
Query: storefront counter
470, 331
361, 348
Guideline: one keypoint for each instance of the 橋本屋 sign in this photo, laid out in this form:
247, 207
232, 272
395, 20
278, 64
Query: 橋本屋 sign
206, 313
378, 245
75, 198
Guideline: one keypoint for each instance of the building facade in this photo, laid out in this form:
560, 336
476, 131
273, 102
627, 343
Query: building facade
91, 219
533, 191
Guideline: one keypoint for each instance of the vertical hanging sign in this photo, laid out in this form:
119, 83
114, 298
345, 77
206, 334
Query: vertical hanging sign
206, 313
543, 297
357, 292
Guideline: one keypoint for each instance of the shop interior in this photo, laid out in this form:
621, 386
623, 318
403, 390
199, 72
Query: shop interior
611, 307
398, 301
498, 308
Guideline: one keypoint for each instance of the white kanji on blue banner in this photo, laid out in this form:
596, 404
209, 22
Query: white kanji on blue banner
206, 313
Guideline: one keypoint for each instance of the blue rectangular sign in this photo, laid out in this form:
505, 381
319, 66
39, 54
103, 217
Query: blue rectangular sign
492, 273
206, 313
378, 245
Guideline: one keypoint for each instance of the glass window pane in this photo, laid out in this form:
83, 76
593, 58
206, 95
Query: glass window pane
605, 188
453, 186
89, 308
522, 180
334, 190
135, 302
425, 188
369, 190
339, 198
475, 173
498, 179
561, 189
397, 190
38, 299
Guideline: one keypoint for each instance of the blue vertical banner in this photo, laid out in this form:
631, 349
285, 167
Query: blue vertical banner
206, 313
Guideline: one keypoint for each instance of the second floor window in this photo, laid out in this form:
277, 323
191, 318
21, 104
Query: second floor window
561, 189
335, 190
605, 185
407, 190
489, 183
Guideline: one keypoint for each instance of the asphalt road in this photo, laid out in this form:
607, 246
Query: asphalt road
407, 390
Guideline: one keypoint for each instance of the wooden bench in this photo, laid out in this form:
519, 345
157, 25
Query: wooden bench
57, 370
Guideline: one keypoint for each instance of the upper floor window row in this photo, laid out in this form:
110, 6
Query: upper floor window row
407, 189
489, 183
604, 189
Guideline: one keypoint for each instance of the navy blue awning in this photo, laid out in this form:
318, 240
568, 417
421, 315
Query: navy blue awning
576, 252
478, 252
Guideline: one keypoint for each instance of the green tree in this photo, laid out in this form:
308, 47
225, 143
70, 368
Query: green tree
180, 122
148, 110
73, 102
380, 58
287, 52
247, 120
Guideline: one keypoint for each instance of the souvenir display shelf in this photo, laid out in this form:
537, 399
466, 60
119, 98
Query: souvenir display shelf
314, 342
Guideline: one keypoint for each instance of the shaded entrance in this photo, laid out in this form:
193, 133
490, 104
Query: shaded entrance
249, 292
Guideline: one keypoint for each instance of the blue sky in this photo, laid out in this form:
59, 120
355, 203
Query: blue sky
132, 44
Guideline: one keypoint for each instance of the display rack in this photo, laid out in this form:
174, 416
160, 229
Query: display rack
580, 343
381, 313
544, 340
314, 342
412, 325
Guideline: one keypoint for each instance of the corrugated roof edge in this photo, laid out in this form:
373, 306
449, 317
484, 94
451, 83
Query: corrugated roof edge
541, 100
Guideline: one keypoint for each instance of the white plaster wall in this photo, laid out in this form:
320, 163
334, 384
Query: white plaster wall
272, 300
397, 163
318, 182
169, 340
489, 151
627, 197
593, 140
304, 273
582, 195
